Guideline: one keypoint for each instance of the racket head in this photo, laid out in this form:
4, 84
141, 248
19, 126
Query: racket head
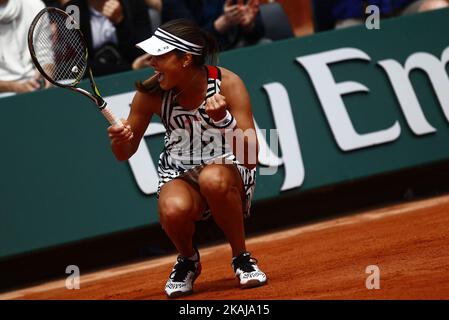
57, 47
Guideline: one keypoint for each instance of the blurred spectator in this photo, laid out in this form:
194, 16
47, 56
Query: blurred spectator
112, 28
154, 4
155, 12
425, 5
17, 72
56, 3
329, 14
234, 23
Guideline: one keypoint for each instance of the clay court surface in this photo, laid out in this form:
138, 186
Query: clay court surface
409, 242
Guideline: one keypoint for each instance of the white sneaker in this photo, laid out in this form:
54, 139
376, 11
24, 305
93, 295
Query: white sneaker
247, 272
182, 277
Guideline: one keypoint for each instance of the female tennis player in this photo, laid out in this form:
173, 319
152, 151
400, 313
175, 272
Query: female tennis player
207, 114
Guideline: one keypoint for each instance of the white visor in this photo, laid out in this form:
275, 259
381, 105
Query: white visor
162, 42
155, 46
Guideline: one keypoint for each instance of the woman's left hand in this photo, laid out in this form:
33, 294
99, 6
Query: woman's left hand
216, 107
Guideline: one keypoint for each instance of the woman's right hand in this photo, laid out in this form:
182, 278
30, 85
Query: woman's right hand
120, 135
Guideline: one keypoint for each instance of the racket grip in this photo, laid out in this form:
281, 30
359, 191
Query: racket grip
113, 120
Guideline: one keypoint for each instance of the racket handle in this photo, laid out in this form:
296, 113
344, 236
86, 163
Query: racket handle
113, 120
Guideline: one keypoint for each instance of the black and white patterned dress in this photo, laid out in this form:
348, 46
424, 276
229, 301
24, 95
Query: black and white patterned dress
190, 142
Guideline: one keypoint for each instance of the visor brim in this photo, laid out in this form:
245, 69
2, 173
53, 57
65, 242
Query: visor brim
155, 46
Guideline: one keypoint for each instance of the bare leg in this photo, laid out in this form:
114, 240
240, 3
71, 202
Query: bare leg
180, 205
222, 187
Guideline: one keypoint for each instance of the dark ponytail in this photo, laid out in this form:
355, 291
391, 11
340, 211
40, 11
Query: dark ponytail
150, 85
211, 49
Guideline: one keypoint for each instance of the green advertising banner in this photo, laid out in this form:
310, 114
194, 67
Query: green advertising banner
329, 108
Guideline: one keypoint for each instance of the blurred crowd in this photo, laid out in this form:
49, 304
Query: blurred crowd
113, 27
330, 14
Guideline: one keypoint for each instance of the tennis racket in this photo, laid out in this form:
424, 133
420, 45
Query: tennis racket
59, 52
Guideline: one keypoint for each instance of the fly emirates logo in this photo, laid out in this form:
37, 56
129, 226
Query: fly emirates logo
284, 137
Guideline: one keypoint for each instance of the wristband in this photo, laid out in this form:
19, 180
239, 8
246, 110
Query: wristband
228, 118
225, 124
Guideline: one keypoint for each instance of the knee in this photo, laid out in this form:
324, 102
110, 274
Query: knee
173, 211
215, 181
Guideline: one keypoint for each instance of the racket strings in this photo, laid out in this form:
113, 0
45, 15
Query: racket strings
59, 48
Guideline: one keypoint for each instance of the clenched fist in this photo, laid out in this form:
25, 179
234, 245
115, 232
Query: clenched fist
120, 135
216, 107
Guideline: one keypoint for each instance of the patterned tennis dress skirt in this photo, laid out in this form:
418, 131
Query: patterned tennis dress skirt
192, 142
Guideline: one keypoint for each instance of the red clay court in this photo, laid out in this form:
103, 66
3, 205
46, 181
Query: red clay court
324, 260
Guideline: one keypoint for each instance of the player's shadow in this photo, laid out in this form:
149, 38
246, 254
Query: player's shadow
219, 285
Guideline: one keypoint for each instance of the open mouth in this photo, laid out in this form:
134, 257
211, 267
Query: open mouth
160, 76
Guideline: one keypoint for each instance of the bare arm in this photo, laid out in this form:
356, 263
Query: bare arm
126, 140
19, 86
239, 105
